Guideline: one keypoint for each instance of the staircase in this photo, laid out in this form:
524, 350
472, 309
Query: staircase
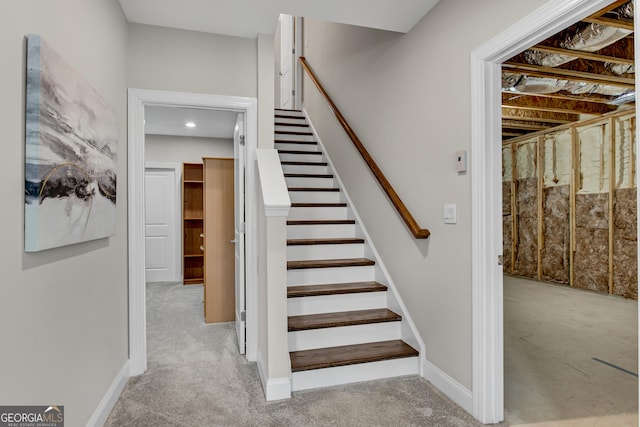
341, 325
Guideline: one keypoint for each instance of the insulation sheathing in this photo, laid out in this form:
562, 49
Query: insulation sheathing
591, 259
526, 263
507, 235
556, 231
594, 142
625, 244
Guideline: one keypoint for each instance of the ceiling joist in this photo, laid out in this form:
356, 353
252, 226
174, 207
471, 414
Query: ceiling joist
582, 54
529, 102
561, 73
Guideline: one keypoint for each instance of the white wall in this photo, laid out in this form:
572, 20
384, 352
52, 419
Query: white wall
179, 149
188, 61
407, 97
63, 312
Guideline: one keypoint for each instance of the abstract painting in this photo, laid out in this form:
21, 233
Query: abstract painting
70, 154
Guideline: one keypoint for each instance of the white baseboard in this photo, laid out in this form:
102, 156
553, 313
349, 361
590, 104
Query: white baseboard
110, 398
278, 389
450, 387
274, 388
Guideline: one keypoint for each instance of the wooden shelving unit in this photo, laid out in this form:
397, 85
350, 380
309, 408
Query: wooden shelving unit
192, 223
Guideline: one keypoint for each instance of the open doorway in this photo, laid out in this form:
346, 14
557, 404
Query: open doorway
569, 219
138, 101
488, 362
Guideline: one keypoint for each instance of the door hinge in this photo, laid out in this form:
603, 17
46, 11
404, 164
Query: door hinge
241, 139
243, 316
500, 260
241, 227
293, 92
293, 51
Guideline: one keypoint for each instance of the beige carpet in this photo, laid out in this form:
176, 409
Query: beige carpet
196, 377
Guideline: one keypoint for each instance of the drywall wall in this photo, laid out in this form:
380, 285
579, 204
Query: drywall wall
407, 97
63, 312
179, 149
189, 61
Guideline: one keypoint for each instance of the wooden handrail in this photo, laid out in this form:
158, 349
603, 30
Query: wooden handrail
409, 220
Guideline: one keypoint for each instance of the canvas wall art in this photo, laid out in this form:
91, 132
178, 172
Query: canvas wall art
70, 154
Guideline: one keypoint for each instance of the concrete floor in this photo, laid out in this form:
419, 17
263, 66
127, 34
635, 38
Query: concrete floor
552, 334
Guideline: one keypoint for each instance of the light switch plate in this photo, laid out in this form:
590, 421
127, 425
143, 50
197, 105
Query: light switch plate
450, 214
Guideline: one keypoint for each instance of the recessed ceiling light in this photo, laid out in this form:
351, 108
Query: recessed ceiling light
190, 124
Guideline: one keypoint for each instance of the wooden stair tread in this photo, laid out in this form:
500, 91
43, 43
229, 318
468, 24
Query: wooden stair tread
317, 153
345, 318
350, 355
307, 175
334, 289
288, 116
344, 241
288, 110
304, 125
292, 163
313, 189
329, 263
284, 141
318, 205
293, 132
321, 222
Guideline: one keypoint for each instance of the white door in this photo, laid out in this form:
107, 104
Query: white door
286, 61
239, 165
160, 224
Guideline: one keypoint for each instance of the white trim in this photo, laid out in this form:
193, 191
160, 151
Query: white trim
138, 98
275, 195
486, 204
412, 336
278, 389
177, 229
110, 398
446, 384
274, 388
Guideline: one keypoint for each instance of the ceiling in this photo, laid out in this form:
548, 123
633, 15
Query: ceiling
581, 72
209, 123
247, 18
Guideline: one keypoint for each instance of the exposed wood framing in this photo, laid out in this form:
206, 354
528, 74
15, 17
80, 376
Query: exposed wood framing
583, 54
539, 103
514, 209
612, 192
540, 173
539, 116
575, 171
524, 125
632, 157
611, 22
607, 9
551, 72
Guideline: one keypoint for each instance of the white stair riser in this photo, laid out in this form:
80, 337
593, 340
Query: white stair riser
327, 377
309, 252
336, 303
293, 137
296, 147
346, 335
318, 276
310, 182
288, 113
314, 196
320, 231
300, 128
301, 158
318, 213
317, 170
300, 121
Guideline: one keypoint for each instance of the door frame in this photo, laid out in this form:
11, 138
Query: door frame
176, 168
137, 100
486, 192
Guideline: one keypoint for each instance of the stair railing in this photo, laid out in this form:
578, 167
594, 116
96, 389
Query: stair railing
415, 229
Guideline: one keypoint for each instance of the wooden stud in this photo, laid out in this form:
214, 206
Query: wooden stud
540, 172
514, 208
612, 192
632, 152
572, 200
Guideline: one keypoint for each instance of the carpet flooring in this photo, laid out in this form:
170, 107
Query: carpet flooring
196, 377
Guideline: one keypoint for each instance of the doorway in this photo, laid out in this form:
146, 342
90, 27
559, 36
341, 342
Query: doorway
487, 282
138, 99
